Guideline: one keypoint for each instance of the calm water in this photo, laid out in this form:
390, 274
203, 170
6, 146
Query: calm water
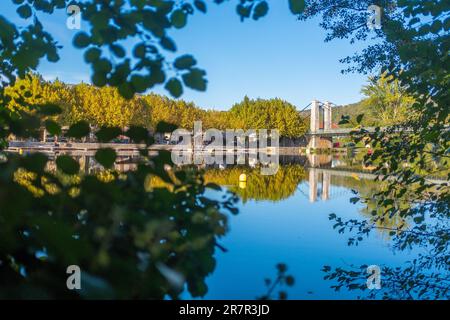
285, 219
298, 233
293, 227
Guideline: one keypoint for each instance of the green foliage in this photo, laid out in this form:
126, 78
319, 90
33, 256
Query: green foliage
106, 223
282, 279
175, 87
387, 101
412, 52
106, 157
268, 114
297, 6
107, 134
52, 127
110, 224
78, 130
67, 165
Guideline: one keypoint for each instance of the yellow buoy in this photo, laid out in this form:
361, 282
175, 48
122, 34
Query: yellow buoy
243, 177
355, 176
20, 151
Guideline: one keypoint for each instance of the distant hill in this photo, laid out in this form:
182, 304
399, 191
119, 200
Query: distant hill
352, 110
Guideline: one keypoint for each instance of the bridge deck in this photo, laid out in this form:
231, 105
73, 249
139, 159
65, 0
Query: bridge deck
337, 132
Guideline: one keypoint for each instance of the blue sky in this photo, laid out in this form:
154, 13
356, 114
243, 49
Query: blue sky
276, 56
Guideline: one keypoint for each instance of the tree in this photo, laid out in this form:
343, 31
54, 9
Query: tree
387, 100
268, 114
411, 47
162, 238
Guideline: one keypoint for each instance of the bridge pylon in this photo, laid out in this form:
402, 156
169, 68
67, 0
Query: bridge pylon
318, 123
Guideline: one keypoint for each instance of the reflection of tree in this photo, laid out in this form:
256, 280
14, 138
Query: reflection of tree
129, 241
276, 187
427, 211
366, 188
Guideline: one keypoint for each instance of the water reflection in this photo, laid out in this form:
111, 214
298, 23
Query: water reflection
285, 217
320, 171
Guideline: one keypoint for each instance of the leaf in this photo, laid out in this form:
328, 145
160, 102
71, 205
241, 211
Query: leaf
92, 54
354, 200
35, 162
200, 5
436, 26
52, 127
178, 19
418, 219
243, 11
140, 83
67, 165
99, 79
81, 40
106, 157
260, 10
195, 79
213, 186
138, 134
198, 288
139, 51
118, 51
359, 118
297, 6
326, 269
175, 87
107, 134
78, 130
281, 267
184, 62
290, 281
168, 44
24, 11
446, 24
126, 90
49, 109
164, 126
344, 119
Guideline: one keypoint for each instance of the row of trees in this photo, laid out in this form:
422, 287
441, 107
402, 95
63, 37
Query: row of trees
386, 103
105, 107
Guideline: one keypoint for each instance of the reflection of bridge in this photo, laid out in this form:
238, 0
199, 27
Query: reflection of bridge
321, 172
320, 185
